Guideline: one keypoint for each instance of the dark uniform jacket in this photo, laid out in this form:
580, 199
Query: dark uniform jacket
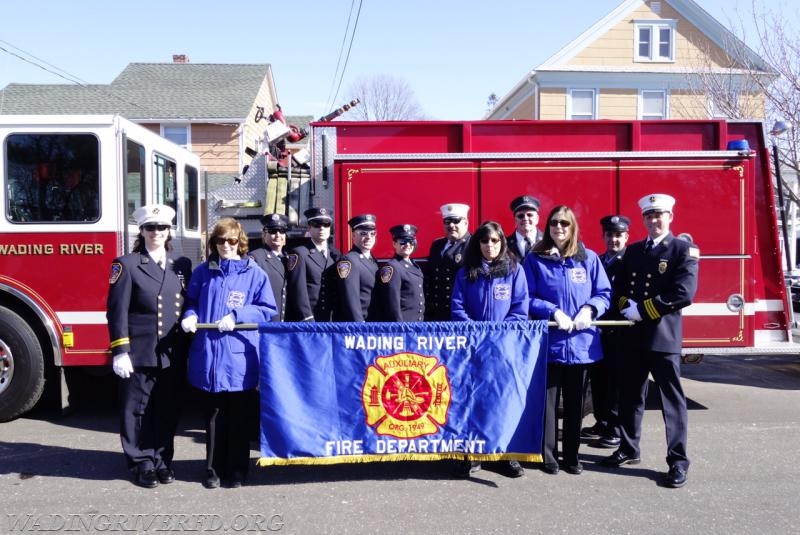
311, 283
275, 268
440, 272
399, 292
662, 282
356, 275
513, 246
144, 308
612, 265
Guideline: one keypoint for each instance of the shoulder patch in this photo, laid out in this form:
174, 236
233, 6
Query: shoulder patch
116, 272
694, 252
343, 268
291, 261
387, 272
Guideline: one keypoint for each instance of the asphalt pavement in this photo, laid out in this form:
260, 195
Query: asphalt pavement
743, 436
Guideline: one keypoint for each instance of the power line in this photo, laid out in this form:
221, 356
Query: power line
349, 48
329, 100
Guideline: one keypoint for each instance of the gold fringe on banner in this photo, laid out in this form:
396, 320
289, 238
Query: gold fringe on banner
341, 459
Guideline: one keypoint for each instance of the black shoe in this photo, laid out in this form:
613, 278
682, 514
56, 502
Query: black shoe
676, 477
575, 469
550, 468
606, 442
515, 469
236, 480
618, 459
212, 480
466, 468
165, 476
596, 431
147, 479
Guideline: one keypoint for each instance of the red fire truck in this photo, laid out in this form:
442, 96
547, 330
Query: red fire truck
719, 172
70, 186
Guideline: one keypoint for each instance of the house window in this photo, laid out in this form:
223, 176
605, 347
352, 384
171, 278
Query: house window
581, 104
653, 105
177, 134
655, 41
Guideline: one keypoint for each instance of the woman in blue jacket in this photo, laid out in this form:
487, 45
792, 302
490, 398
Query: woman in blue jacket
228, 289
566, 283
490, 287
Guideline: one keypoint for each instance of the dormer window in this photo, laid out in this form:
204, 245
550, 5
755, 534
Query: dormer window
655, 40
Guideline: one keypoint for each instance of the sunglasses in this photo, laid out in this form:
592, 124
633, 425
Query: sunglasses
453, 220
274, 231
559, 223
487, 241
230, 241
407, 241
523, 215
152, 227
319, 224
367, 233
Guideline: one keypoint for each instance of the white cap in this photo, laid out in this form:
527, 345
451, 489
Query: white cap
154, 213
656, 202
454, 210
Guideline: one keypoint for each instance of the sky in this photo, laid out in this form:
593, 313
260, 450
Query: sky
452, 53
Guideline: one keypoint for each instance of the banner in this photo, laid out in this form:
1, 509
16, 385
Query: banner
359, 392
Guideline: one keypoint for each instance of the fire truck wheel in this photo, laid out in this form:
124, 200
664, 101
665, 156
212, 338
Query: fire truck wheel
21, 366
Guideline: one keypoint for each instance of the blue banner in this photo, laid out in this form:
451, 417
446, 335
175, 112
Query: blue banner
359, 392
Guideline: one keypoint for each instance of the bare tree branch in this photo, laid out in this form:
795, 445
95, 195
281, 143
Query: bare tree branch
384, 98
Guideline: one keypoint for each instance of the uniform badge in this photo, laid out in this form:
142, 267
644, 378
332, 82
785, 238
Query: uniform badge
291, 261
502, 292
182, 279
578, 275
406, 395
116, 272
387, 272
458, 258
343, 268
662, 267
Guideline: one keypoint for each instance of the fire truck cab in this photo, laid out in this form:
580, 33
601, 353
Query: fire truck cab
70, 186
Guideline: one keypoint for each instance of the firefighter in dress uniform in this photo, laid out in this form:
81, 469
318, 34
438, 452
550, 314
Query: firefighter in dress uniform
272, 259
145, 301
526, 220
357, 271
311, 271
399, 293
657, 279
604, 375
445, 258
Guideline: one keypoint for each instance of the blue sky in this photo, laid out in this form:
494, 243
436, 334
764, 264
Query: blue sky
452, 53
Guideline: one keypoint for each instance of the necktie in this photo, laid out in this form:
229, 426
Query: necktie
446, 247
648, 246
527, 245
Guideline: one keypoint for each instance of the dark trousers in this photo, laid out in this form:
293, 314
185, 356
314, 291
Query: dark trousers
604, 377
227, 417
665, 368
149, 409
570, 383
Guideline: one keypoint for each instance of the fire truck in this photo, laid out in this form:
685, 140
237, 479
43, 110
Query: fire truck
70, 186
718, 170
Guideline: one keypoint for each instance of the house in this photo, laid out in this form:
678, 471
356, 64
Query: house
647, 59
215, 110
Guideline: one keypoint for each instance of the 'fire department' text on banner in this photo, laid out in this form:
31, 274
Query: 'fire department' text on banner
359, 392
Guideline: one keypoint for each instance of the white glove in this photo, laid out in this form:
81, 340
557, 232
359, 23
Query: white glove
122, 365
227, 323
632, 312
563, 321
189, 324
583, 319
